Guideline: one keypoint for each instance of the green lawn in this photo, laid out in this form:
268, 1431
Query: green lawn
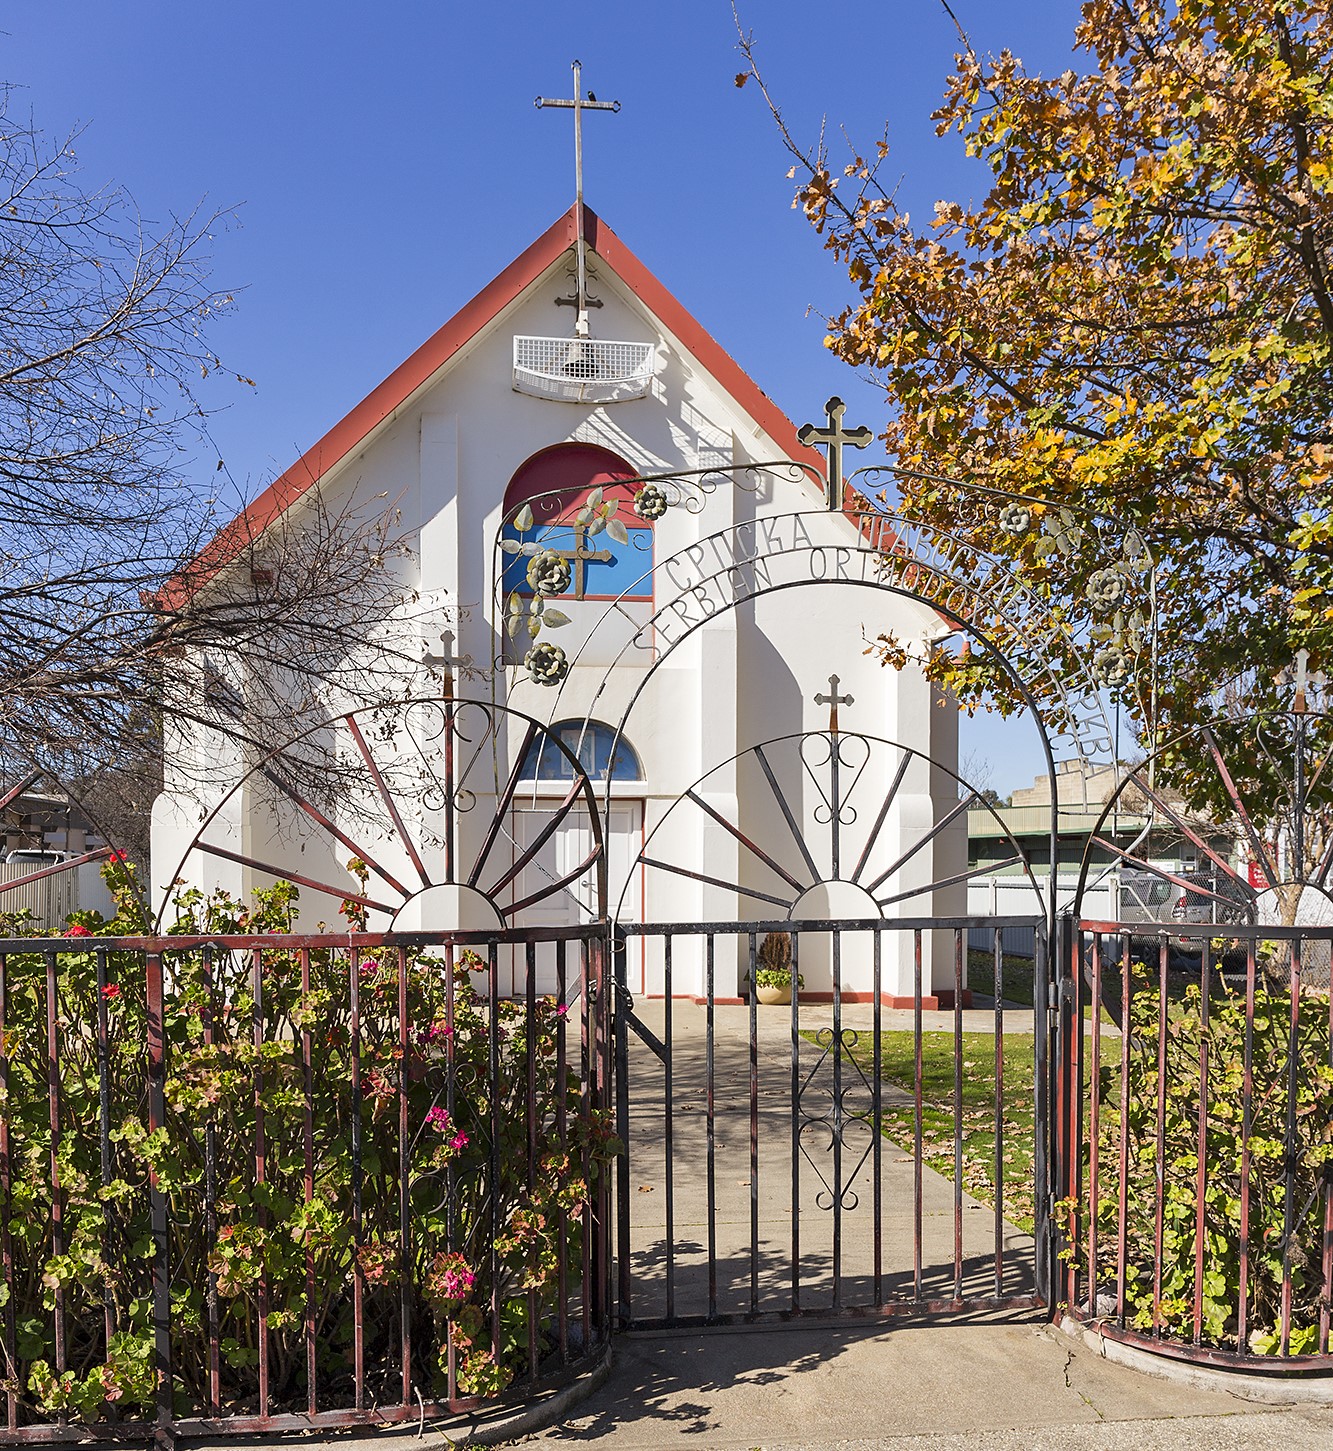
898, 1066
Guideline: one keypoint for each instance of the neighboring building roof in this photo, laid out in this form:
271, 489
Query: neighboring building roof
382, 402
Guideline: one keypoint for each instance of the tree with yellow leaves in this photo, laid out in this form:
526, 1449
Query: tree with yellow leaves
1132, 331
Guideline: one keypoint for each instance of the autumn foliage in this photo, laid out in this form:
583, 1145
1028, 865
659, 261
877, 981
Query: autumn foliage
1131, 330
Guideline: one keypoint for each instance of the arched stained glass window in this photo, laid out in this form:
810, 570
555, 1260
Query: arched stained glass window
556, 483
592, 744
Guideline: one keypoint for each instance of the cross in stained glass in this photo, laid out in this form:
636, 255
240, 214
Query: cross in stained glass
581, 555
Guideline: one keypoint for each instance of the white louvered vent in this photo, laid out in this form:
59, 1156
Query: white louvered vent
583, 370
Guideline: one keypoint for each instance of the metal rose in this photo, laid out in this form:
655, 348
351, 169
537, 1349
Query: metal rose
1111, 666
1106, 589
546, 663
548, 572
650, 502
1015, 519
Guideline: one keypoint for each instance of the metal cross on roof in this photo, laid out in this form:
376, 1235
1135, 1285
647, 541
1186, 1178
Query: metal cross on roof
581, 555
833, 438
579, 105
833, 700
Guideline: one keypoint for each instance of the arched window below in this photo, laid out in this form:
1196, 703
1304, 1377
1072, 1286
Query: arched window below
592, 744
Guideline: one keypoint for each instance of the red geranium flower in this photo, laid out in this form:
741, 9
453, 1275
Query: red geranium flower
77, 930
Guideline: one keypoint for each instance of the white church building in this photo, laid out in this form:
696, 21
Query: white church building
696, 624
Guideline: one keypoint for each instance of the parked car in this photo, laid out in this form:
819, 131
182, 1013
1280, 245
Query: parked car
35, 857
1193, 898
1212, 897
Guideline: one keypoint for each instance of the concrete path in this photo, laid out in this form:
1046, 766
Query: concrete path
762, 1261
920, 1386
1008, 1382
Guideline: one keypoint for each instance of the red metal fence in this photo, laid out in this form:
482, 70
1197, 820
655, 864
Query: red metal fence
1195, 1118
254, 1183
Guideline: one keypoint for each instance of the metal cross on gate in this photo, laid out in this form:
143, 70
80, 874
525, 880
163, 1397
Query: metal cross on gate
581, 555
446, 662
833, 700
833, 438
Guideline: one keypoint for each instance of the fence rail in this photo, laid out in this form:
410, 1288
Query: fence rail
254, 1183
1195, 1116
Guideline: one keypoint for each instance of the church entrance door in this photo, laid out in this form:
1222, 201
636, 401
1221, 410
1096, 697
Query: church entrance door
559, 854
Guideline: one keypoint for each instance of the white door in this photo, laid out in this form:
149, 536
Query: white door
558, 856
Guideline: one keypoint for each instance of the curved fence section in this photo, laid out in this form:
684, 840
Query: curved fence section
255, 1183
1195, 1124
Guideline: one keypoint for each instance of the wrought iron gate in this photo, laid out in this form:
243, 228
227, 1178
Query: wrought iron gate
838, 1155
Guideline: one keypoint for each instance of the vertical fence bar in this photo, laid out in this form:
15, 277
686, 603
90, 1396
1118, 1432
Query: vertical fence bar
877, 1109
587, 1103
709, 1069
619, 965
8, 1321
261, 1164
358, 1278
1200, 1177
668, 1139
917, 1135
1326, 1299
211, 1306
53, 1120
1246, 1129
404, 1190
450, 1221
496, 1127
156, 1091
1094, 1130
1122, 1208
754, 1131
999, 1110
1159, 1165
1072, 1091
562, 1138
795, 1032
838, 1120
1291, 1144
308, 1182
958, 1113
104, 1125
530, 1119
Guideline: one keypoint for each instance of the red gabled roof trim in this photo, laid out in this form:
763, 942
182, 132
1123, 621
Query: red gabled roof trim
382, 402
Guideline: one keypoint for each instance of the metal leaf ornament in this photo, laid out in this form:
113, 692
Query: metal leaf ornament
650, 502
549, 572
546, 663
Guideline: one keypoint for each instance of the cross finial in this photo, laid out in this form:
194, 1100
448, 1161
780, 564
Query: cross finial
833, 700
578, 105
834, 437
447, 660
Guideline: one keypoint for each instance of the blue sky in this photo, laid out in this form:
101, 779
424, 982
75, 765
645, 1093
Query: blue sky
384, 161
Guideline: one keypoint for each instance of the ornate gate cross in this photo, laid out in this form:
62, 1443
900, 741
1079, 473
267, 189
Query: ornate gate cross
834, 437
833, 700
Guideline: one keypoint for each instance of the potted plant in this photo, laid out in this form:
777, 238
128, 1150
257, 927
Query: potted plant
773, 975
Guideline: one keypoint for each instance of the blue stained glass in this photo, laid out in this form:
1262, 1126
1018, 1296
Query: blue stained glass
591, 745
626, 573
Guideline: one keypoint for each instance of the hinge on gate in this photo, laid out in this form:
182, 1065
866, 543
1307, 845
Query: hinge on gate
1053, 995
